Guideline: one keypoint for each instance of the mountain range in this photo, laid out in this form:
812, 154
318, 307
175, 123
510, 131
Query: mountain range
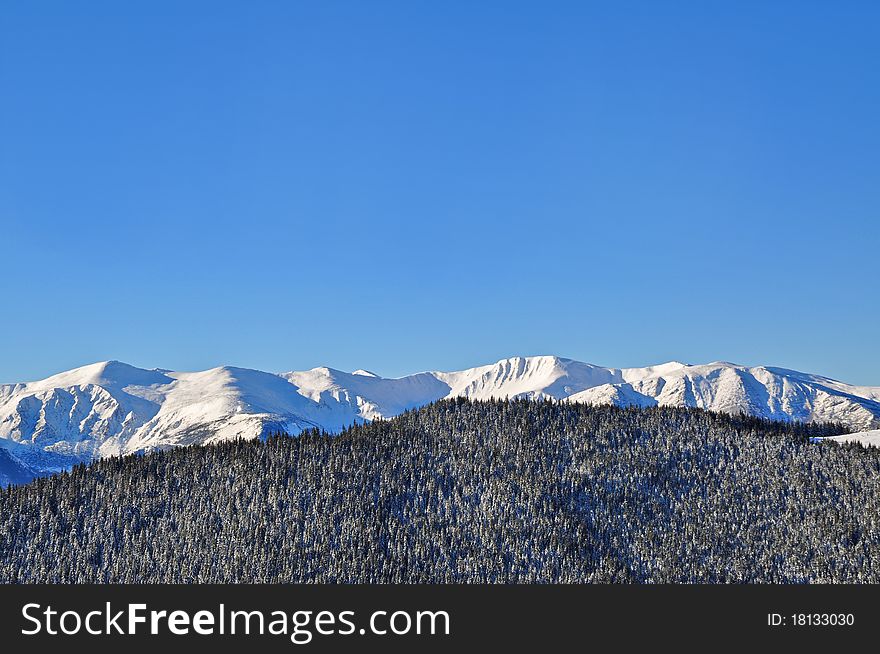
112, 408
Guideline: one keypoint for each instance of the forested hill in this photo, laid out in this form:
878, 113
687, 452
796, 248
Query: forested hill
463, 491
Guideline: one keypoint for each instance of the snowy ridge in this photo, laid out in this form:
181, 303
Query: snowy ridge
113, 408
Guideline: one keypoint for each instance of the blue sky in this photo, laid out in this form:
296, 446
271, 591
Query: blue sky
419, 185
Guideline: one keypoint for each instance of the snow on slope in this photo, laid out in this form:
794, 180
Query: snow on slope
113, 408
340, 398
866, 438
530, 377
79, 414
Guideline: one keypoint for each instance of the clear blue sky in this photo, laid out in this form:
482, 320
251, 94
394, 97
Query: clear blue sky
418, 184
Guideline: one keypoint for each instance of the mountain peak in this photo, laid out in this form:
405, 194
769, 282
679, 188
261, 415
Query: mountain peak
105, 373
364, 373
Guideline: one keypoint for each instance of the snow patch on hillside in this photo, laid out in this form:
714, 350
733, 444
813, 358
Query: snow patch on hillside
867, 438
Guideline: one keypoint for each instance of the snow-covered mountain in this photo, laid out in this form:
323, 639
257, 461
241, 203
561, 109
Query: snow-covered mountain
113, 408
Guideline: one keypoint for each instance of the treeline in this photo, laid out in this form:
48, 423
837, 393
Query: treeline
462, 491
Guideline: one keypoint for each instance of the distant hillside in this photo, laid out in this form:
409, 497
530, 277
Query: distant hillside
466, 491
13, 471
